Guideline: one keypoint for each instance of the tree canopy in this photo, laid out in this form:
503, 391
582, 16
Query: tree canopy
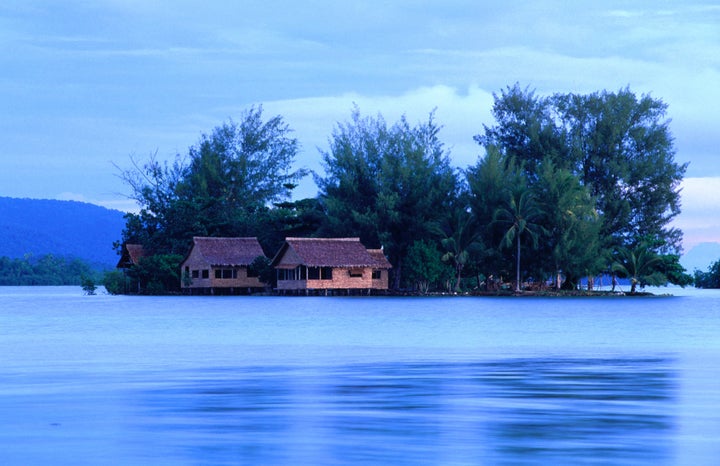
224, 186
391, 185
575, 185
602, 166
47, 270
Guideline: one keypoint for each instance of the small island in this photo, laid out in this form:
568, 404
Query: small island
570, 188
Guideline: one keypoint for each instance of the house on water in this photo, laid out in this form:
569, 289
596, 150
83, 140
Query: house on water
221, 265
130, 255
323, 264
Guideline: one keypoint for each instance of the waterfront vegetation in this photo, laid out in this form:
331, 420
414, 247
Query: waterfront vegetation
569, 186
48, 270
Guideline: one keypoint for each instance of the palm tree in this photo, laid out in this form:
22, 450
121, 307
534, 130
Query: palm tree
460, 238
520, 215
640, 266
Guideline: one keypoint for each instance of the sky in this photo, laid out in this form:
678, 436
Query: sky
86, 85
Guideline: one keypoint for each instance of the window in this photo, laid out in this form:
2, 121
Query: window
206, 273
288, 274
196, 274
313, 273
376, 274
326, 273
356, 273
225, 274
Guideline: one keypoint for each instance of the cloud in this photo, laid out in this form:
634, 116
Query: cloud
460, 113
700, 216
123, 205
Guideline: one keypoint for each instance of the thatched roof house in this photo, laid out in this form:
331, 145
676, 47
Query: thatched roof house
221, 264
330, 263
130, 255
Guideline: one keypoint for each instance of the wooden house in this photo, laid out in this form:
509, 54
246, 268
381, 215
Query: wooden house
221, 265
330, 264
130, 255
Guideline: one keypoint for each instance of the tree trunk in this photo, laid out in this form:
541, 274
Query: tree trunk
517, 272
396, 275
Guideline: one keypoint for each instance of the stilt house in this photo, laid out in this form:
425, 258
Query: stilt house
221, 265
130, 255
330, 264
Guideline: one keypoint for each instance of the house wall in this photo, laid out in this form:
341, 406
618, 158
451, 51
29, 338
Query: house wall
192, 264
241, 279
382, 283
341, 279
289, 258
202, 275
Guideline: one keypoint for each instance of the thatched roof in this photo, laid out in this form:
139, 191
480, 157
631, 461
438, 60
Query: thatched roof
227, 252
328, 252
131, 255
380, 260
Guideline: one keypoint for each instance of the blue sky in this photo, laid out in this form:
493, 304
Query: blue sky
87, 84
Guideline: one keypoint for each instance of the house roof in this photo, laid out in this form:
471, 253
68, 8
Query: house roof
228, 252
380, 260
330, 252
131, 255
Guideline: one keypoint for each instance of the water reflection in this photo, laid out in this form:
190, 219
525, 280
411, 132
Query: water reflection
516, 411
619, 411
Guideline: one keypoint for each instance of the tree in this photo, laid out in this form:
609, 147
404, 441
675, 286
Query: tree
622, 149
640, 265
424, 265
387, 185
525, 128
157, 274
571, 223
223, 187
295, 219
519, 216
672, 269
88, 285
116, 282
709, 278
619, 147
47, 269
490, 184
227, 185
461, 239
261, 267
238, 171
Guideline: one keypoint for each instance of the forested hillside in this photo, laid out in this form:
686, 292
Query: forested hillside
61, 228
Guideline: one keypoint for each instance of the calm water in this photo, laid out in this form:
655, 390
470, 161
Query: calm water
273, 380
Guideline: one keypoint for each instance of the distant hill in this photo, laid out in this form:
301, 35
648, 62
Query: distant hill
62, 228
701, 257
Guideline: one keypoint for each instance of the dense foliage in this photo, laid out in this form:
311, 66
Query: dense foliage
44, 270
601, 169
570, 186
388, 185
710, 278
223, 187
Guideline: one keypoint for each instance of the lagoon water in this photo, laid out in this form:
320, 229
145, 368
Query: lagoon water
350, 380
